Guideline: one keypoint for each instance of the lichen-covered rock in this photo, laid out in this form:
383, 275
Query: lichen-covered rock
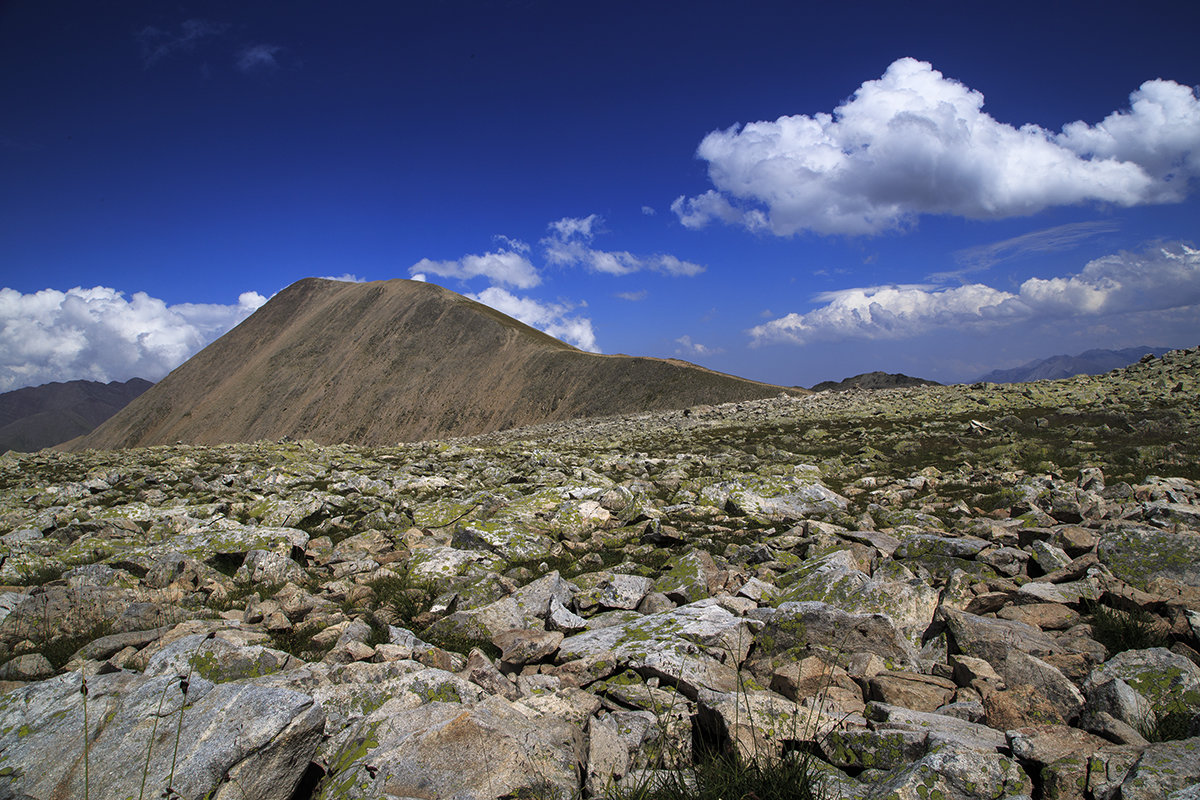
1157, 674
457, 752
956, 773
813, 624
892, 590
233, 737
1162, 770
696, 646
1137, 554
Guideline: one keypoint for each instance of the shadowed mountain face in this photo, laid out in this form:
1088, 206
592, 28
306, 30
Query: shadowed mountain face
377, 363
43, 416
1090, 362
872, 380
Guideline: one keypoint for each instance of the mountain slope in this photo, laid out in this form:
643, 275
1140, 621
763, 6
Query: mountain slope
43, 416
872, 380
375, 363
1090, 362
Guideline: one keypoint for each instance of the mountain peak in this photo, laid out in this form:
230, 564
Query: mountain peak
398, 360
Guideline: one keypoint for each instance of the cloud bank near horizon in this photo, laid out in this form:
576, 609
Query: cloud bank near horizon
98, 334
1159, 279
915, 142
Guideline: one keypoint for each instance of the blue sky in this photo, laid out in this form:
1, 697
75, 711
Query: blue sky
785, 191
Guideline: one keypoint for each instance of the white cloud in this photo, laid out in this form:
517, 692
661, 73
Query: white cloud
569, 245
633, 297
649, 211
915, 142
504, 266
258, 57
689, 348
158, 44
1159, 279
1061, 237
345, 277
419, 277
551, 318
515, 245
97, 334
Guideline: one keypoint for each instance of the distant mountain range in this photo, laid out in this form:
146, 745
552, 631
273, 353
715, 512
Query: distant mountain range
1091, 362
393, 361
872, 380
43, 416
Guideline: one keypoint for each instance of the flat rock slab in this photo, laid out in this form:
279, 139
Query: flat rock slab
696, 646
814, 623
456, 752
991, 639
230, 734
1136, 555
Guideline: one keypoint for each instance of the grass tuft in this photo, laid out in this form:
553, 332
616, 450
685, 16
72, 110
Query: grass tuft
1120, 630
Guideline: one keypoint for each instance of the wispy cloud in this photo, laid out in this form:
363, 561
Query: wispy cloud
633, 297
1061, 237
346, 277
914, 142
97, 334
157, 44
258, 57
694, 349
569, 245
1161, 278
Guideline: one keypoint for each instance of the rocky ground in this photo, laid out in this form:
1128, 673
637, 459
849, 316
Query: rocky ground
961, 592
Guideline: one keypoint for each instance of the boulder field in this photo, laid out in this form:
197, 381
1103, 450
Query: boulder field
961, 592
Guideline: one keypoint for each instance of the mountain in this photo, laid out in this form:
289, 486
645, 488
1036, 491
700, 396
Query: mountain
1091, 362
377, 363
43, 416
872, 380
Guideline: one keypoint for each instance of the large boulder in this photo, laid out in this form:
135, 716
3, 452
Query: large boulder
1137, 554
697, 646
816, 625
454, 751
234, 739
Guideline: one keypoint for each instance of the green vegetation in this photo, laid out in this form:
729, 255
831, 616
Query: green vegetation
299, 642
1171, 720
1120, 630
726, 776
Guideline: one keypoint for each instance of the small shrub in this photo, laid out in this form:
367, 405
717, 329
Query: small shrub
1171, 719
404, 596
299, 642
1119, 630
726, 776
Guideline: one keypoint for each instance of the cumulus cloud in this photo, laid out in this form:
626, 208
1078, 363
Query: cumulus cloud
346, 277
569, 245
507, 267
1162, 278
689, 348
915, 142
97, 334
551, 318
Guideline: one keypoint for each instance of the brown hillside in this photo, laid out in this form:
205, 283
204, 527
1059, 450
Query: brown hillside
376, 363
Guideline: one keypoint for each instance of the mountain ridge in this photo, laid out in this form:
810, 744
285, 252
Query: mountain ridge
35, 417
1090, 362
873, 380
399, 360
